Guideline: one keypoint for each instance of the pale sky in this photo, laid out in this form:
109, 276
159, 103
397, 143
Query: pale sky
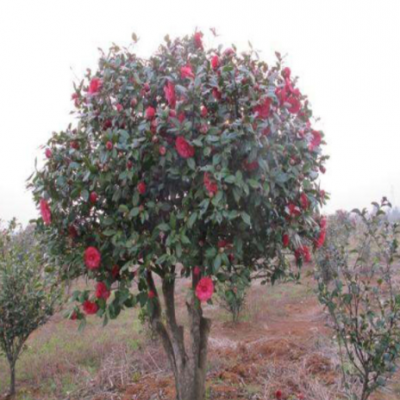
346, 53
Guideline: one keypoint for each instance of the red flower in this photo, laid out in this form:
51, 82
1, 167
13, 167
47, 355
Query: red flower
93, 197
162, 150
304, 201
286, 72
181, 117
229, 52
203, 111
186, 72
150, 113
109, 146
197, 40
322, 169
72, 231
146, 87
282, 94
89, 307
216, 94
45, 211
263, 110
196, 271
250, 166
115, 271
319, 242
183, 148
95, 85
210, 185
74, 316
107, 124
151, 294
224, 244
169, 91
92, 258
205, 289
141, 187
315, 141
75, 145
278, 394
285, 240
129, 164
295, 104
294, 211
48, 153
215, 62
304, 253
101, 291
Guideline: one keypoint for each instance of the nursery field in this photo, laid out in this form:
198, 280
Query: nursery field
282, 342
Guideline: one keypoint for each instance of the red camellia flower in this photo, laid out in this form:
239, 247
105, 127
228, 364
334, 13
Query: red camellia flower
304, 253
151, 294
45, 211
263, 109
203, 111
74, 316
196, 271
229, 52
119, 107
304, 201
285, 240
197, 40
215, 62
319, 242
141, 187
295, 104
90, 307
181, 117
109, 146
223, 243
95, 86
93, 197
210, 185
115, 271
323, 223
278, 394
107, 124
183, 148
162, 150
186, 72
150, 113
315, 141
250, 166
169, 91
75, 145
294, 211
286, 72
216, 94
48, 153
92, 258
101, 291
205, 289
72, 231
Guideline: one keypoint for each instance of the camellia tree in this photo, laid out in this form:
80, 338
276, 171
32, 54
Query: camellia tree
180, 166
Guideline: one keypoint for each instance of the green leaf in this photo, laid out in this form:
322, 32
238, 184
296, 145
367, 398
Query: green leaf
192, 219
246, 218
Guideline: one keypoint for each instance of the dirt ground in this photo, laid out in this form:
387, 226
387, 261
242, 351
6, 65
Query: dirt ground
283, 342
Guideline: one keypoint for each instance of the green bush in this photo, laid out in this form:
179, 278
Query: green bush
27, 292
364, 303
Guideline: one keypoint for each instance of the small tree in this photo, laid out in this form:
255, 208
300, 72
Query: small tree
27, 294
232, 290
364, 303
169, 156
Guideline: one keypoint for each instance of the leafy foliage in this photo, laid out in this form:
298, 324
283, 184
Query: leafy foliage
169, 158
27, 293
364, 303
232, 292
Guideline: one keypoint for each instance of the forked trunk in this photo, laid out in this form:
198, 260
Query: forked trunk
188, 365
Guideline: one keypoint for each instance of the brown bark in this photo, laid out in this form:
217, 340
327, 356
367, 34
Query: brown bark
188, 365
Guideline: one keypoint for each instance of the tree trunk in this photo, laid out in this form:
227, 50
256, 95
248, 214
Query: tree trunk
12, 379
188, 366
